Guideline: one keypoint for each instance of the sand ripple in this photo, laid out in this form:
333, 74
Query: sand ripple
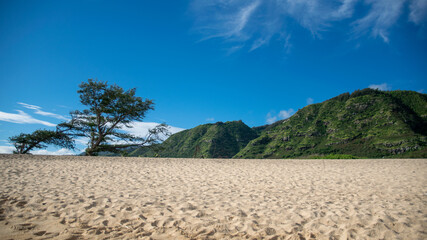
46, 197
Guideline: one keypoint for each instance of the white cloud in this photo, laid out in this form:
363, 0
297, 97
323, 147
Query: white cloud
421, 91
270, 118
6, 149
62, 151
140, 129
286, 113
283, 114
210, 119
255, 23
82, 141
22, 118
43, 113
310, 101
382, 87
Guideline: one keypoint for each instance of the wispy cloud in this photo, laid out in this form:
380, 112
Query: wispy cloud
382, 15
345, 9
22, 118
210, 119
418, 11
288, 45
382, 87
310, 101
43, 113
227, 26
254, 23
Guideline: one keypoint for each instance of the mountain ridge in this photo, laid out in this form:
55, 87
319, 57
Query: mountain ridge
213, 140
366, 123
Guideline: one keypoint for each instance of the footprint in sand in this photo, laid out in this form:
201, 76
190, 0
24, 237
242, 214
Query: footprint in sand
24, 226
21, 204
93, 204
270, 231
40, 233
123, 221
101, 212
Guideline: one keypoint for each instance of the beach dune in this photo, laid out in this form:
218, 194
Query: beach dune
73, 197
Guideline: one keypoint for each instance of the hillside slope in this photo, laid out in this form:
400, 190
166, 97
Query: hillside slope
219, 140
366, 123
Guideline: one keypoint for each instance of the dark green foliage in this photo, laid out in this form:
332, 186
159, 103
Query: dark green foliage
342, 97
39, 139
366, 123
110, 108
334, 156
219, 140
364, 92
413, 100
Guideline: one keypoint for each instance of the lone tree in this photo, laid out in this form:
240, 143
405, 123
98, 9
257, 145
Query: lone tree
110, 108
39, 139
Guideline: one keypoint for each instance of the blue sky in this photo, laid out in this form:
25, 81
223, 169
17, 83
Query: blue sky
204, 61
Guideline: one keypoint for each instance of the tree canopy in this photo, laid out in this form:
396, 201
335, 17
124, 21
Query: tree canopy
110, 108
39, 139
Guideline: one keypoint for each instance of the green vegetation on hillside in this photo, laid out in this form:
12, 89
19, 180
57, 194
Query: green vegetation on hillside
219, 140
366, 123
334, 156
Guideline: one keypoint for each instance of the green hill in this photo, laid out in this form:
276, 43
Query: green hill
219, 140
366, 123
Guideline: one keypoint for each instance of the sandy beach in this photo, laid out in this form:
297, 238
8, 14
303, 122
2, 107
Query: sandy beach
65, 197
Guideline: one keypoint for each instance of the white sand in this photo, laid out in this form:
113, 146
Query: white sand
44, 197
